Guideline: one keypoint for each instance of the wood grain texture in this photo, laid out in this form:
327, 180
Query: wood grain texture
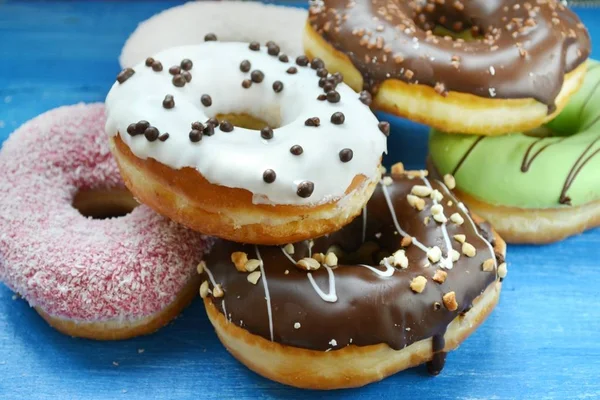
540, 343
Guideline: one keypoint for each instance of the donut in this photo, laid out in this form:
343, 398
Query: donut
545, 182
242, 142
85, 273
194, 22
484, 67
400, 286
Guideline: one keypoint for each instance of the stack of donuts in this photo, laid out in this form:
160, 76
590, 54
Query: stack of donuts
507, 88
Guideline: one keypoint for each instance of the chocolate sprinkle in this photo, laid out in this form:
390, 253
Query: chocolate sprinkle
384, 127
186, 64
365, 97
338, 77
257, 76
195, 135
338, 118
175, 70
246, 83
255, 46
226, 126
197, 126
296, 150
346, 155
266, 133
151, 134
269, 176
305, 189
179, 81
149, 61
314, 121
187, 76
277, 86
273, 49
210, 37
322, 72
328, 87
212, 121
157, 66
333, 97
245, 66
131, 129
292, 70
317, 63
163, 137
168, 102
302, 61
125, 74
284, 58
141, 126
322, 82
209, 130
322, 97
206, 100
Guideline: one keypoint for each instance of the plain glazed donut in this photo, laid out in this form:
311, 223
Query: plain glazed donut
525, 62
399, 286
230, 21
304, 165
95, 278
546, 184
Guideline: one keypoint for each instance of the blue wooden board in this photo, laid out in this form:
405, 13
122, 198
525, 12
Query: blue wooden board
542, 341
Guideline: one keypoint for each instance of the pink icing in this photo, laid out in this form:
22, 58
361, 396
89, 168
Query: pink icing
69, 265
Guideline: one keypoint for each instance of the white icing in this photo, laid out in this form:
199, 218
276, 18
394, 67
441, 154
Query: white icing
446, 263
267, 295
214, 283
330, 297
488, 244
238, 159
388, 200
389, 270
364, 223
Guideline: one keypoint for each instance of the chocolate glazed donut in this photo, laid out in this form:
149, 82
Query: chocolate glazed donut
522, 49
413, 263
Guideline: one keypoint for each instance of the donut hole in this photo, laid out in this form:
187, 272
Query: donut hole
369, 253
104, 203
247, 121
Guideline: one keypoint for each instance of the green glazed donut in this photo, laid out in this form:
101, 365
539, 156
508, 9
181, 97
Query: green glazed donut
557, 165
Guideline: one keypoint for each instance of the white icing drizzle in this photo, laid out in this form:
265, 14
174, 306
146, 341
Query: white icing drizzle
466, 212
364, 223
214, 283
285, 253
388, 200
330, 297
239, 158
267, 295
389, 270
448, 262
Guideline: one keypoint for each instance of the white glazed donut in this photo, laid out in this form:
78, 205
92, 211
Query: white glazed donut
190, 22
234, 182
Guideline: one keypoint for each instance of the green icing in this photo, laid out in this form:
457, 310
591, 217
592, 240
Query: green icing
492, 171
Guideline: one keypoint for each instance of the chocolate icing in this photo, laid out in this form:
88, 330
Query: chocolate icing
363, 308
522, 49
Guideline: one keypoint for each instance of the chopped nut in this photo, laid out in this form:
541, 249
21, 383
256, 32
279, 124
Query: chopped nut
331, 259
437, 209
437, 306
457, 219
449, 203
297, 325
415, 202
455, 255
502, 271
436, 195
398, 168
289, 248
468, 249
287, 272
308, 264
217, 291
418, 283
441, 218
426, 220
460, 238
400, 259
434, 254
450, 301
319, 257
488, 265
239, 259
204, 289
200, 267
406, 241
252, 264
253, 277
337, 250
387, 181
440, 276
421, 191
449, 181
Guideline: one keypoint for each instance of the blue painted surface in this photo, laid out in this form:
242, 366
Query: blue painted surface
540, 343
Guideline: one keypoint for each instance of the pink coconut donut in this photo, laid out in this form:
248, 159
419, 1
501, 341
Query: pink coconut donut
108, 278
